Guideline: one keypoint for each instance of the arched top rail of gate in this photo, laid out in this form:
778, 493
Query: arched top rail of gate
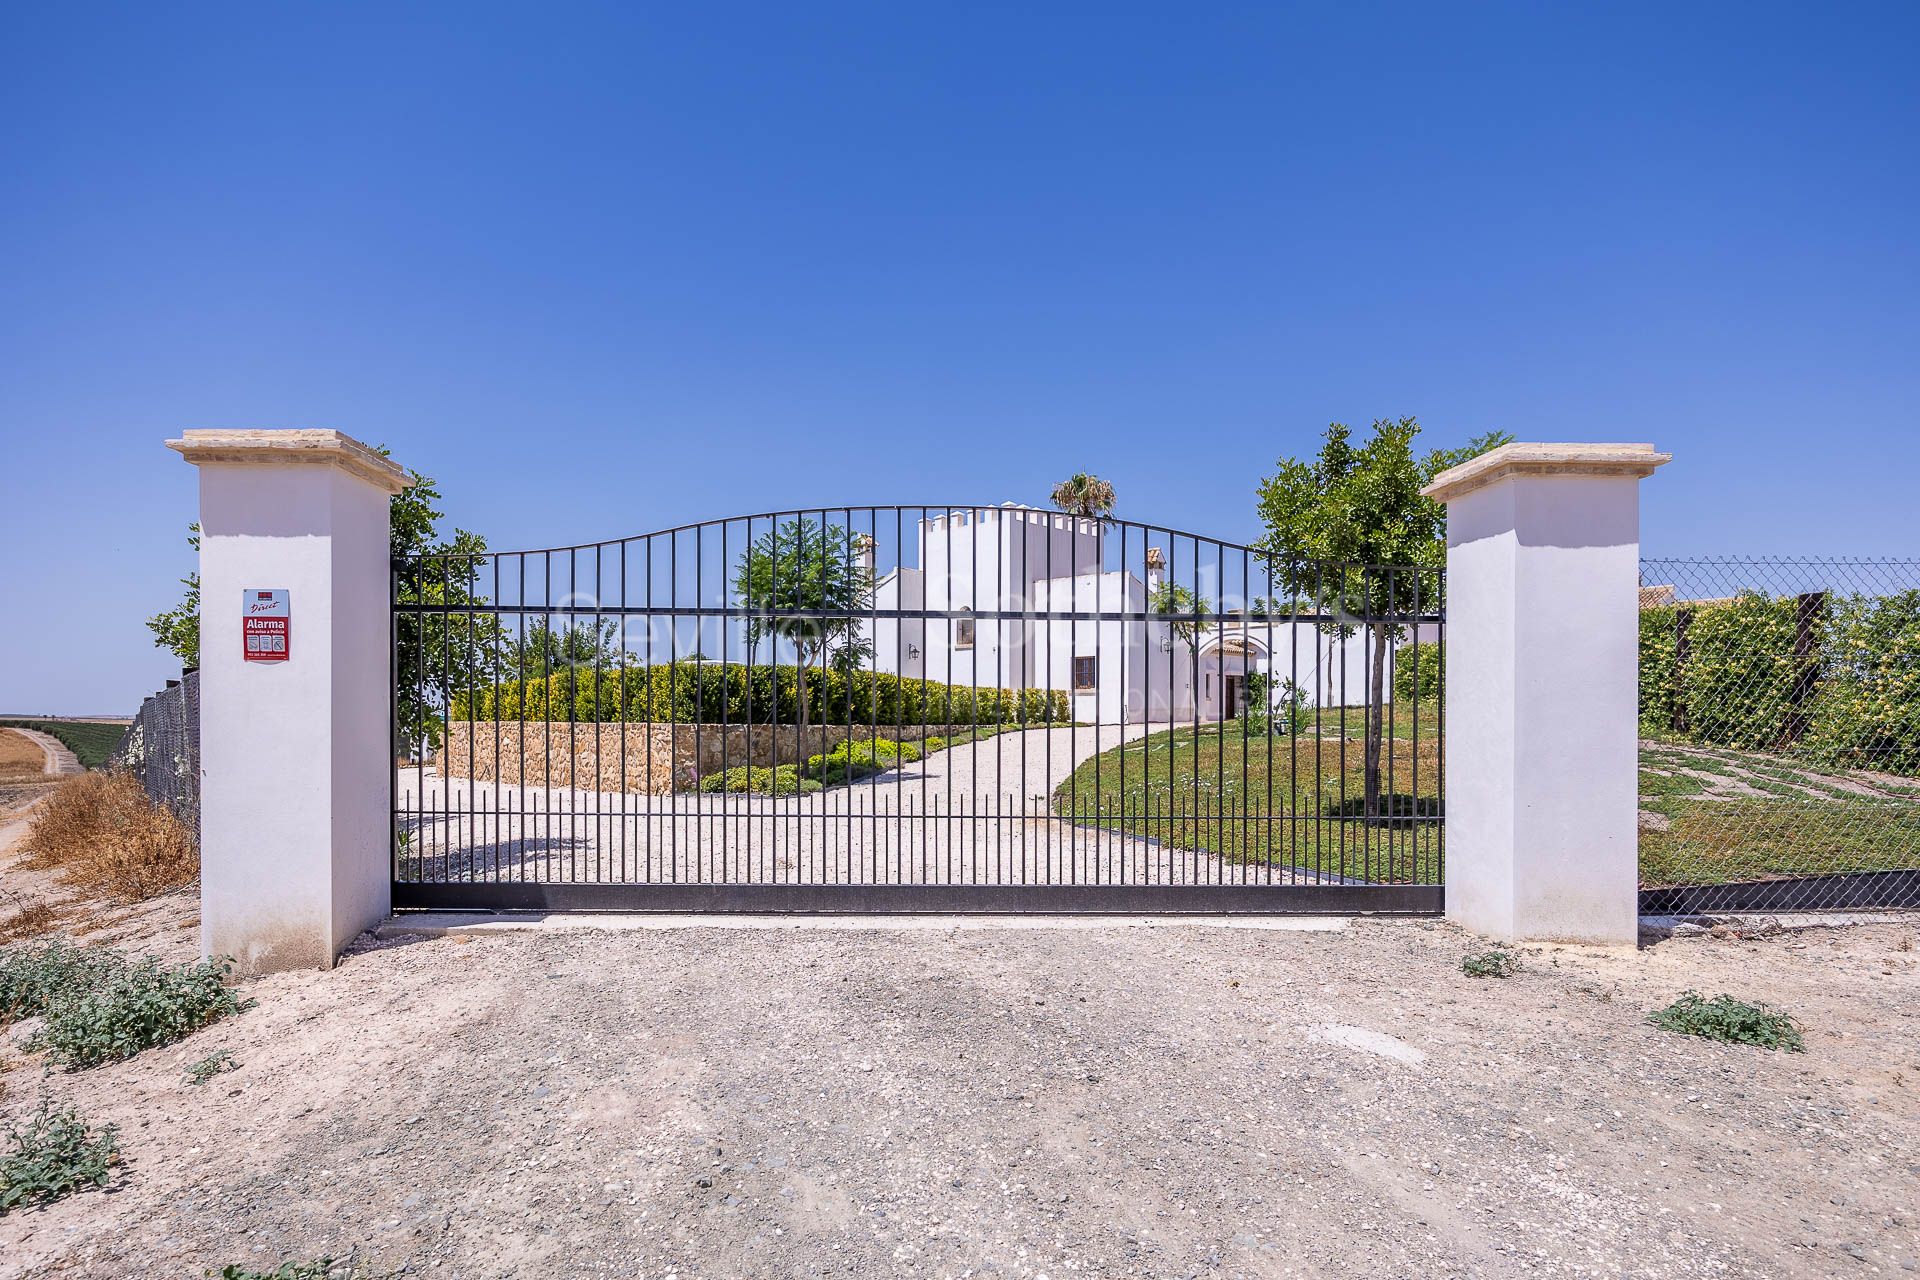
1174, 575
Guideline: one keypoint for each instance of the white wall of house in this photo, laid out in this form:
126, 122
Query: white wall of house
1134, 676
1019, 561
899, 645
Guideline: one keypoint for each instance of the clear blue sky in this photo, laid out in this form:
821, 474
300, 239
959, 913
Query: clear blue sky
603, 270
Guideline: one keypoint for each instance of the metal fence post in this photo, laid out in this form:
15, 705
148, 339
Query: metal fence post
1809, 610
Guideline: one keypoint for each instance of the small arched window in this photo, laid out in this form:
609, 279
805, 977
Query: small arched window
963, 630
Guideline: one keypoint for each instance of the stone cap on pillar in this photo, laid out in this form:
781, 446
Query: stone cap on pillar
1627, 461
324, 446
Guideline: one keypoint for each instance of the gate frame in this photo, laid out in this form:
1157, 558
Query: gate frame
297, 830
1322, 893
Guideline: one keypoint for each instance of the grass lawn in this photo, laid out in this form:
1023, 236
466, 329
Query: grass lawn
1714, 816
92, 741
1272, 801
1404, 720
1708, 815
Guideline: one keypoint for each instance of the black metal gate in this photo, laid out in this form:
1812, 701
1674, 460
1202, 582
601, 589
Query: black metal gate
916, 708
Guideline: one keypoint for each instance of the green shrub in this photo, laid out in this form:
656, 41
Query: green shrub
1273, 708
1497, 963
1733, 690
1740, 671
1659, 689
1416, 674
319, 1269
54, 1155
732, 692
140, 1006
32, 977
1736, 687
782, 780
1866, 714
1730, 1020
212, 1065
858, 758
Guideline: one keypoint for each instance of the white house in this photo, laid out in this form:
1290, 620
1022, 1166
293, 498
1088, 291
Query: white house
1021, 569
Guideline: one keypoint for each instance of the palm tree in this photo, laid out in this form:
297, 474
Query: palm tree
1083, 495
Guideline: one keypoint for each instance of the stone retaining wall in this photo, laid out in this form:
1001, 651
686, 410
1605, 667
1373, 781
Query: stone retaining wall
658, 758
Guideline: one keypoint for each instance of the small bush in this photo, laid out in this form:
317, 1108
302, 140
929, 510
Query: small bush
54, 1155
141, 1006
212, 1065
784, 780
32, 978
28, 918
1416, 677
1733, 1021
101, 833
1274, 708
319, 1269
1497, 963
860, 757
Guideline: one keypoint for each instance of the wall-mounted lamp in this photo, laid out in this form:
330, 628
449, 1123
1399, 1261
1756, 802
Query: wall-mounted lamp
913, 652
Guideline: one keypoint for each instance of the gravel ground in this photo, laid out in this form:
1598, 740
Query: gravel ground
1165, 1099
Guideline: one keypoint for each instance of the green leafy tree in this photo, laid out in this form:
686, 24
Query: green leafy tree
178, 629
546, 648
1334, 523
804, 582
1083, 495
437, 654
852, 654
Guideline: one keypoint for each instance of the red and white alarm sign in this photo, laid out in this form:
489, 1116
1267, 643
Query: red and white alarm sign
265, 619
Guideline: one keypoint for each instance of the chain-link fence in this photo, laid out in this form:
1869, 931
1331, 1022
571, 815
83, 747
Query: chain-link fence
1779, 734
162, 749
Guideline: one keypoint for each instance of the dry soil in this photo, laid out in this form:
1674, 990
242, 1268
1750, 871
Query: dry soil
1131, 1100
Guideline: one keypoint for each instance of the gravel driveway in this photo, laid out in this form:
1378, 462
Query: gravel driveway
1156, 1100
974, 814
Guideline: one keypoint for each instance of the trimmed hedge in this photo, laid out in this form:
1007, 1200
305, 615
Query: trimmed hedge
1867, 714
714, 692
1736, 686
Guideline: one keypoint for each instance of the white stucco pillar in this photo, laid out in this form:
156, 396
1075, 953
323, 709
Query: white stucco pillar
1542, 680
296, 755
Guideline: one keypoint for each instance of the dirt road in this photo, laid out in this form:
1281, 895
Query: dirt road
1145, 1100
27, 772
60, 761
